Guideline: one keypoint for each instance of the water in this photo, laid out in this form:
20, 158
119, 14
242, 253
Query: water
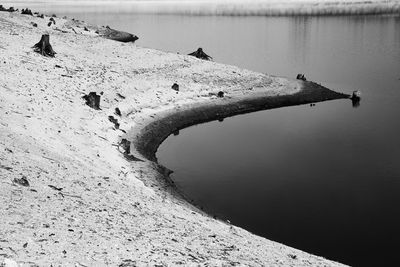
323, 179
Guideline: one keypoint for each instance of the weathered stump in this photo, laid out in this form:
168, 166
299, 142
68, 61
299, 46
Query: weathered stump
175, 87
356, 98
43, 46
92, 100
200, 54
125, 145
301, 77
26, 11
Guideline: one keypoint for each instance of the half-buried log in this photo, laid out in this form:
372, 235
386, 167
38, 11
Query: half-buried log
115, 35
43, 46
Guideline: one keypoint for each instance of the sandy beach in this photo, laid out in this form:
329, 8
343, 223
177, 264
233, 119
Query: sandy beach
85, 204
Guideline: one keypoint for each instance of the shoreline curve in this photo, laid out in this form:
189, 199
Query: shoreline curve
148, 137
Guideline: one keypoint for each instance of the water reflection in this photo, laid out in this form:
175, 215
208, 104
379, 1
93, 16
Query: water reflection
322, 179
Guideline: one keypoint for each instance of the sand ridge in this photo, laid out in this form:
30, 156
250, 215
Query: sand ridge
86, 205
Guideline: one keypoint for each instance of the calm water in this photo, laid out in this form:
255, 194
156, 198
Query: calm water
324, 179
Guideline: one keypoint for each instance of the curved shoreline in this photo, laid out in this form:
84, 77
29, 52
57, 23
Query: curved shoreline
82, 203
146, 139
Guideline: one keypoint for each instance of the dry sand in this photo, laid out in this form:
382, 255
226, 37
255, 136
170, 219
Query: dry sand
86, 205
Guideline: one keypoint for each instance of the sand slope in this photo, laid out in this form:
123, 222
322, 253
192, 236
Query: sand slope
86, 205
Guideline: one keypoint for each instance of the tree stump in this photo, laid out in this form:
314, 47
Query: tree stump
356, 98
200, 54
43, 46
301, 77
26, 11
175, 87
92, 100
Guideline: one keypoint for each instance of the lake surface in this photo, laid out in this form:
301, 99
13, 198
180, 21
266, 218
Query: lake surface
324, 179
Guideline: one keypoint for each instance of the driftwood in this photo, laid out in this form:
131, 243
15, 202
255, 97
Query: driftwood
115, 35
43, 46
200, 54
92, 100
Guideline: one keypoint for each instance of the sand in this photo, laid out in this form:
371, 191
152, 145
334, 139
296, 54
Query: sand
86, 205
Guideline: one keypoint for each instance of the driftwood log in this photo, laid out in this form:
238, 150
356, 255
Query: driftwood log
200, 54
115, 35
43, 46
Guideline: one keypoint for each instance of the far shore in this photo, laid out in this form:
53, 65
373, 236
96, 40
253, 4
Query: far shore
69, 197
